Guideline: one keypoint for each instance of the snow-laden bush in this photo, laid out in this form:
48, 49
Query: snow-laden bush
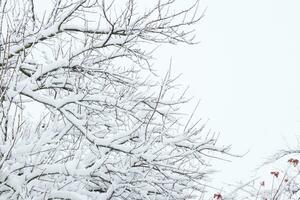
108, 127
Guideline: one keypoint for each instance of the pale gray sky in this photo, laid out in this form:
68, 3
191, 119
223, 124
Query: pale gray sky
246, 71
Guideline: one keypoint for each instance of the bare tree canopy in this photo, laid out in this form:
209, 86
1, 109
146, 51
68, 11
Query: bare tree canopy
110, 128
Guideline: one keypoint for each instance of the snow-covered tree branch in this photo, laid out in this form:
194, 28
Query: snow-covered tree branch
110, 128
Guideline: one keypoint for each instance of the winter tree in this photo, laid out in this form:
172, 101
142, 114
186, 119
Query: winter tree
109, 126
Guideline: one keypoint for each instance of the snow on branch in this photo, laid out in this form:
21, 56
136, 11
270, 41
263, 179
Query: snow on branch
83, 116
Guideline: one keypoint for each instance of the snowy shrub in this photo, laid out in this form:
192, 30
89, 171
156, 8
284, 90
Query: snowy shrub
83, 114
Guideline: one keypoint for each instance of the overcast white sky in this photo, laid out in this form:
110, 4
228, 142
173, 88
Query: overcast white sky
246, 71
